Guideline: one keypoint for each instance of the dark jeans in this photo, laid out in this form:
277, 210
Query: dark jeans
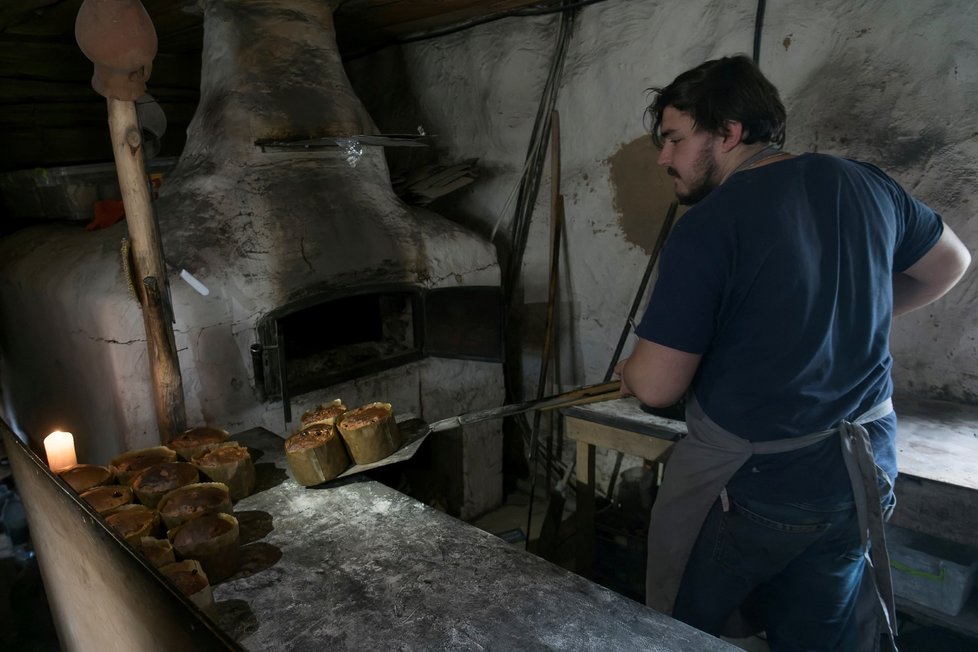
793, 568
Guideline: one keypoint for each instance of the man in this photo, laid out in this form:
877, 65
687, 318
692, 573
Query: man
772, 314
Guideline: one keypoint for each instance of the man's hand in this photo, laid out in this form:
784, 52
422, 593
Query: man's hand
625, 390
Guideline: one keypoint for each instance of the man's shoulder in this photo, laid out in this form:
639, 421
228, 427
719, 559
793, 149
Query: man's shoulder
821, 161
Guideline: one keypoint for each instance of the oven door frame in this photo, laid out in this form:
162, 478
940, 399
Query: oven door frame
270, 359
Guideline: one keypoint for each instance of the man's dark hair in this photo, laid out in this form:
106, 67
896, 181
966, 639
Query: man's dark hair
719, 91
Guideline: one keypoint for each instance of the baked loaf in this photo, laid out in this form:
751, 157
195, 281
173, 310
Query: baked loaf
154, 482
199, 440
129, 464
370, 432
108, 498
159, 552
83, 477
211, 539
230, 464
191, 580
315, 455
193, 500
323, 414
134, 522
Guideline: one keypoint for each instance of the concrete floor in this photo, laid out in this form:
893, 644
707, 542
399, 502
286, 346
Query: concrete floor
512, 514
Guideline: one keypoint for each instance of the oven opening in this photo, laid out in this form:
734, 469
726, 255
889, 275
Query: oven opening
318, 343
343, 338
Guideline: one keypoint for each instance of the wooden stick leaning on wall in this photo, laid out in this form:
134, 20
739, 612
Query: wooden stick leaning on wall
147, 259
119, 38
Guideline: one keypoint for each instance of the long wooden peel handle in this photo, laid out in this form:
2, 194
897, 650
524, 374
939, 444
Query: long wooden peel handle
603, 390
589, 394
609, 396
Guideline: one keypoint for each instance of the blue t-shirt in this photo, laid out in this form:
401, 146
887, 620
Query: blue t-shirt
781, 279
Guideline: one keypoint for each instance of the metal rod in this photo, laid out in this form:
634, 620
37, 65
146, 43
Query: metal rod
283, 376
588, 393
640, 294
556, 225
258, 370
660, 242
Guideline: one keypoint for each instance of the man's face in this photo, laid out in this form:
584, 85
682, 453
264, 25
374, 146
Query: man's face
688, 155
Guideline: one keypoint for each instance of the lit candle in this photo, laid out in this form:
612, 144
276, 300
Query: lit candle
60, 448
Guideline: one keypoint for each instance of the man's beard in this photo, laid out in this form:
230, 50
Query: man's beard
704, 178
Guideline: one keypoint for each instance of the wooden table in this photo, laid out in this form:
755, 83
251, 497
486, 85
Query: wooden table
619, 425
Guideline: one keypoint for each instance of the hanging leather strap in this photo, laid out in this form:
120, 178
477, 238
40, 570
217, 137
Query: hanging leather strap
858, 455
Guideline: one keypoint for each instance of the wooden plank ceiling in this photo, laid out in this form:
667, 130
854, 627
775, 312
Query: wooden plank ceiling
50, 116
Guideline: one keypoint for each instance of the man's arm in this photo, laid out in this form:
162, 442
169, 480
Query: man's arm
657, 375
932, 276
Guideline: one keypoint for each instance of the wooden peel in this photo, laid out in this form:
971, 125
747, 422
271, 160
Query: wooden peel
414, 432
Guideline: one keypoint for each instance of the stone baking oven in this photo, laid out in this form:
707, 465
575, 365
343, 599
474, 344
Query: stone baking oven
321, 283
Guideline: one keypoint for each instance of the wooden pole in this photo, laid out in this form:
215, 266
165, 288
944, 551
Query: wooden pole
148, 264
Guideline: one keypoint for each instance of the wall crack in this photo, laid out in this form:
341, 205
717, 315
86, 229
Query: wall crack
434, 280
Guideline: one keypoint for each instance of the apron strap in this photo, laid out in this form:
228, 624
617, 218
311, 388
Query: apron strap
857, 452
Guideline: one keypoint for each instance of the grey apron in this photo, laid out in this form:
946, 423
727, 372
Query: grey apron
699, 468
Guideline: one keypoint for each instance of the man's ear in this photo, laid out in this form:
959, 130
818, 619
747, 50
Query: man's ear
732, 135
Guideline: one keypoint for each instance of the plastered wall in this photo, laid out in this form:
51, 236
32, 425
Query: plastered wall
891, 82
